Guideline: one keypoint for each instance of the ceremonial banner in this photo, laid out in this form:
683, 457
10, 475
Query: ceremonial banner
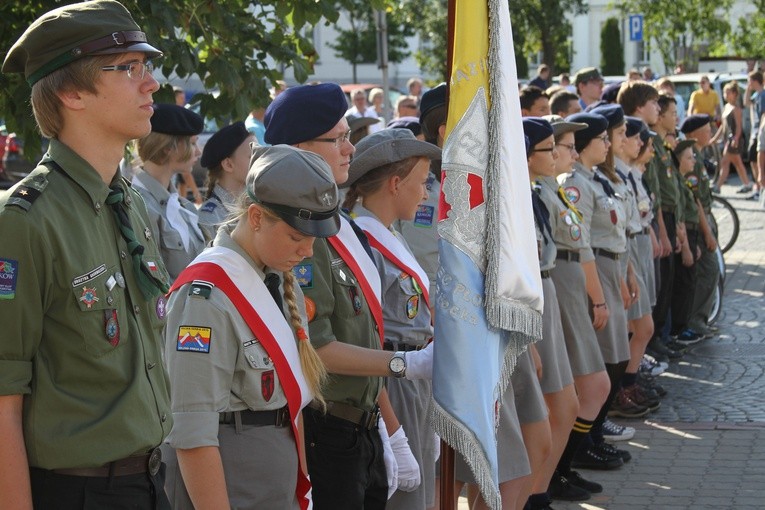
489, 290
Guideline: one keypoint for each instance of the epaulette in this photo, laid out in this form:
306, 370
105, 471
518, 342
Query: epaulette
208, 207
24, 194
201, 288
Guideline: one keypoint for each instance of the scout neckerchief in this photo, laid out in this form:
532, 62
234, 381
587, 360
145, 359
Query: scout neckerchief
223, 267
353, 253
541, 213
604, 183
393, 250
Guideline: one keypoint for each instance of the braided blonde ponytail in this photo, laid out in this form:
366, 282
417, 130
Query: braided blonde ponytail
313, 368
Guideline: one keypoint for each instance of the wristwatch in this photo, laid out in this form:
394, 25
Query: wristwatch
397, 364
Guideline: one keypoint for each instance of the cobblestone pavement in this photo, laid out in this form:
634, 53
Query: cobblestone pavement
705, 447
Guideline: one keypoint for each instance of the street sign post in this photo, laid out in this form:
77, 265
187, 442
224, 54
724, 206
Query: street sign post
636, 27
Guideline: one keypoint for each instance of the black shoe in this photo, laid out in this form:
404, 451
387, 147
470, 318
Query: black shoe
592, 487
590, 458
607, 449
656, 346
649, 383
563, 490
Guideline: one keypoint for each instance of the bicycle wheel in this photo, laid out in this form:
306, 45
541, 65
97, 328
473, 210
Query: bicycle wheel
717, 301
726, 221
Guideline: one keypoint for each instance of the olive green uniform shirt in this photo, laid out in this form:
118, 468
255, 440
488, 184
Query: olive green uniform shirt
79, 341
701, 188
669, 191
343, 315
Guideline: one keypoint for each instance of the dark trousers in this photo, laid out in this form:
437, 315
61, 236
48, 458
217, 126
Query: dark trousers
684, 287
666, 278
53, 491
345, 462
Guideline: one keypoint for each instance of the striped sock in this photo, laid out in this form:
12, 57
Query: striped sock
578, 433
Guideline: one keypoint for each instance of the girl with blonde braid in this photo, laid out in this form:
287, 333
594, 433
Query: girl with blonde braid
240, 361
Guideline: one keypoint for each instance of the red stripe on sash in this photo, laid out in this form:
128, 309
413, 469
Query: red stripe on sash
397, 262
213, 273
369, 295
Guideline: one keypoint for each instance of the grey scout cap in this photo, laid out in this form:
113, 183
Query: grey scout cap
561, 125
298, 186
387, 146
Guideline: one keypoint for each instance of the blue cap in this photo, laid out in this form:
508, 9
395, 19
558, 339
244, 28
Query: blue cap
646, 134
223, 144
528, 144
303, 113
596, 125
613, 113
172, 119
536, 130
610, 92
410, 123
431, 99
634, 126
693, 122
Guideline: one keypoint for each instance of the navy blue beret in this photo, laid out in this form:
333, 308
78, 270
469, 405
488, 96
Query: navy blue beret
431, 99
613, 113
693, 122
610, 92
528, 145
634, 126
596, 125
300, 114
410, 123
536, 130
646, 134
176, 120
596, 104
223, 144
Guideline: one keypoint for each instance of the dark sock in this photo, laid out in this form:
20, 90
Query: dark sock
629, 379
538, 501
615, 372
578, 434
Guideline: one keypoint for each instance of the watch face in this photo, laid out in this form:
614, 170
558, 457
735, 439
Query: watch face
397, 365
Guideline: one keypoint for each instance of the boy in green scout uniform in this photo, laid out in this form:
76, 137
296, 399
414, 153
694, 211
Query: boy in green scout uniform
84, 398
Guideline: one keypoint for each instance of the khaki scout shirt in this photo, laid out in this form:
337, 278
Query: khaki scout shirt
342, 315
566, 225
236, 373
702, 188
79, 340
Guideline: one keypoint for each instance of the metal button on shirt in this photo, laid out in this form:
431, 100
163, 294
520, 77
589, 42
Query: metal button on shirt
137, 309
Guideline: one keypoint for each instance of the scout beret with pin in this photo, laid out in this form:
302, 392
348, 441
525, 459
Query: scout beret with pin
223, 144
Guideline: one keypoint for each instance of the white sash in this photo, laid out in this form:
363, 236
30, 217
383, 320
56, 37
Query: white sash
374, 228
348, 238
255, 291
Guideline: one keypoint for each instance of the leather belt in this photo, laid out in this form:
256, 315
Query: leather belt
400, 346
633, 236
545, 274
571, 256
668, 208
608, 254
275, 417
354, 415
148, 463
646, 231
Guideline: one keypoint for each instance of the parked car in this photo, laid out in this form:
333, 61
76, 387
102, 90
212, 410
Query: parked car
685, 84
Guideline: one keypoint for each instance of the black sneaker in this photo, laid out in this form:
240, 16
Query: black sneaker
562, 489
689, 337
592, 487
657, 347
647, 382
607, 449
590, 458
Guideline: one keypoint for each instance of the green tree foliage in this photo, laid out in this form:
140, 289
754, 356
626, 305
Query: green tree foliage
237, 47
358, 44
611, 48
747, 39
546, 28
679, 28
428, 19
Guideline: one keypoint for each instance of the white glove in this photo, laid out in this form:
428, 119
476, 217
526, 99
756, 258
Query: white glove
419, 364
408, 469
391, 467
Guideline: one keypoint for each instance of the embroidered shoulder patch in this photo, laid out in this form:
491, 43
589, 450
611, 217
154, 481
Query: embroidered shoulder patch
25, 194
304, 275
194, 339
9, 271
572, 193
200, 289
424, 216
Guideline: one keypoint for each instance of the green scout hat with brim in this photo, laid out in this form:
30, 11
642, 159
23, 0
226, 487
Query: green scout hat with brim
63, 35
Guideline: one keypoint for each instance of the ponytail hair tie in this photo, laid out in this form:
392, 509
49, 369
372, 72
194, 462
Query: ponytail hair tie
301, 334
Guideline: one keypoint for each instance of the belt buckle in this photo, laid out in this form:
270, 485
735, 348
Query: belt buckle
282, 417
155, 461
